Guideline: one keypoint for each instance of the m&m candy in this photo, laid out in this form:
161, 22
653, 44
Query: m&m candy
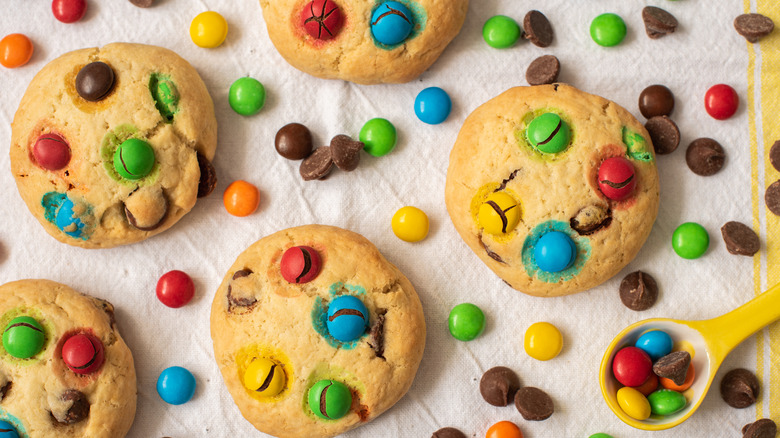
330, 399
656, 343
391, 23
504, 429
208, 29
501, 32
690, 240
300, 264
617, 178
241, 198
15, 50
69, 11
378, 136
555, 251
23, 337
246, 96
666, 402
347, 318
322, 19
134, 159
721, 101
632, 366
543, 341
432, 105
633, 403
175, 289
548, 133
265, 377
466, 322
608, 30
499, 214
83, 353
51, 152
410, 224
7, 430
176, 385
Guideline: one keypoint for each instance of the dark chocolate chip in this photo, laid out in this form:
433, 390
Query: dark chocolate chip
537, 29
739, 388
448, 432
293, 141
664, 134
638, 291
345, 152
317, 165
241, 273
94, 81
591, 219
658, 22
740, 239
774, 155
377, 334
4, 389
656, 100
245, 300
543, 70
772, 197
533, 404
705, 156
79, 407
763, 428
153, 212
753, 26
142, 3
673, 366
208, 177
499, 385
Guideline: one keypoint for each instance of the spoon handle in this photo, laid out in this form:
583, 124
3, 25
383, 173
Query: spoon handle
727, 331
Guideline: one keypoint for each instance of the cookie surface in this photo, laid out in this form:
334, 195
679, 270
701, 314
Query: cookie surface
78, 111
41, 396
337, 40
257, 316
505, 194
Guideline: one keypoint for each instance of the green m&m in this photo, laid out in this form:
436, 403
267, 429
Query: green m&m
379, 137
466, 322
690, 240
666, 402
548, 133
23, 337
501, 32
134, 159
330, 399
165, 96
246, 96
608, 30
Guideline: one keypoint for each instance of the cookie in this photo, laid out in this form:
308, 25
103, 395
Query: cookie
113, 145
64, 369
363, 42
554, 189
315, 332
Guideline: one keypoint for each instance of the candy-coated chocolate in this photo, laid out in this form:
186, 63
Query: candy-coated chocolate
633, 403
466, 322
608, 30
601, 435
95, 81
208, 29
69, 11
548, 133
379, 137
504, 429
134, 159
617, 178
7, 430
499, 214
165, 95
690, 240
656, 343
410, 224
650, 385
347, 318
689, 376
23, 337
246, 96
501, 32
322, 19
176, 385
175, 288
721, 101
543, 341
391, 23
632, 366
330, 399
656, 100
83, 353
555, 251
51, 152
265, 377
15, 50
65, 217
432, 105
293, 141
241, 198
300, 264
666, 402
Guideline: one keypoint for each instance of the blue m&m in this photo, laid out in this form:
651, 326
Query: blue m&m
7, 430
347, 318
555, 251
391, 23
655, 343
176, 385
432, 105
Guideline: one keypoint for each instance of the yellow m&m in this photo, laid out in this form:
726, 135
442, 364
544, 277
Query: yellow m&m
264, 376
410, 224
499, 214
633, 403
208, 29
543, 341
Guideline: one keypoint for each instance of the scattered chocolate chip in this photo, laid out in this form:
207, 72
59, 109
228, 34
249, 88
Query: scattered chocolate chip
377, 334
77, 407
664, 134
705, 156
638, 291
448, 432
537, 29
753, 26
673, 366
763, 428
533, 404
740, 239
499, 385
543, 70
739, 388
345, 152
293, 141
94, 81
656, 100
658, 22
772, 197
142, 3
591, 219
317, 165
774, 155
146, 208
208, 177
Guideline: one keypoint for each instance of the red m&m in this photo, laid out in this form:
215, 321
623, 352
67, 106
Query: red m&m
617, 178
721, 101
300, 264
83, 353
175, 289
632, 366
69, 11
51, 152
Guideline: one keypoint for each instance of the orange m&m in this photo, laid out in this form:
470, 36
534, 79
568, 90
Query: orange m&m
241, 198
15, 50
504, 429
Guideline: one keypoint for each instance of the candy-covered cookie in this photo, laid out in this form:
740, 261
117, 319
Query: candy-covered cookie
315, 332
113, 145
555, 189
366, 42
64, 369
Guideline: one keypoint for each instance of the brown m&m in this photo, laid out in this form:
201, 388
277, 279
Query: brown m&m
656, 100
95, 81
293, 141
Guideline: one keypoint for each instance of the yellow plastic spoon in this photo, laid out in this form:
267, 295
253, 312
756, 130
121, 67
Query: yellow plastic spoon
711, 339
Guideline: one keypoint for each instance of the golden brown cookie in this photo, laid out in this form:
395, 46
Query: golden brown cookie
555, 189
315, 332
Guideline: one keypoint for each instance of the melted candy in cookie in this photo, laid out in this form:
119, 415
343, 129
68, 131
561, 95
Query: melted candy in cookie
72, 218
533, 269
319, 314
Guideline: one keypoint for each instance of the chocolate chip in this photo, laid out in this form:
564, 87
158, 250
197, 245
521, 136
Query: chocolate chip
740, 239
77, 410
774, 155
448, 432
241, 274
673, 366
499, 385
537, 29
638, 291
146, 208
753, 26
543, 70
772, 197
208, 177
664, 134
4, 389
94, 81
240, 297
345, 152
763, 428
293, 141
656, 100
705, 156
739, 388
142, 3
377, 334
533, 404
591, 219
317, 165
658, 22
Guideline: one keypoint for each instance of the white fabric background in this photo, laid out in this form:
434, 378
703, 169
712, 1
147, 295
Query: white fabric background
704, 51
